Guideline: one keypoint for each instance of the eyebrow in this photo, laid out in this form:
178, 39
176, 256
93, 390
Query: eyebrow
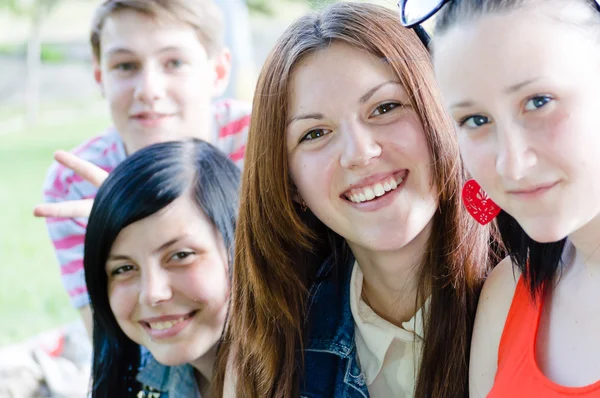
126, 51
518, 86
361, 100
508, 90
372, 91
115, 257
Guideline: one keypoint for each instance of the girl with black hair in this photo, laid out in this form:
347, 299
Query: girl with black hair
158, 251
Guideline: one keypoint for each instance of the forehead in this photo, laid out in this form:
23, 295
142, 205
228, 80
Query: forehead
503, 49
337, 74
181, 217
135, 31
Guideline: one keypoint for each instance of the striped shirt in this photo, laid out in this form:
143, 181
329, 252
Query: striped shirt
231, 121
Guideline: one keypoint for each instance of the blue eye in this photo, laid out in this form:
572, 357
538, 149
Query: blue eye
537, 102
474, 121
314, 134
175, 63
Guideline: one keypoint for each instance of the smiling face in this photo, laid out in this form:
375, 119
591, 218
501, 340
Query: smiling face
526, 101
157, 79
168, 285
357, 152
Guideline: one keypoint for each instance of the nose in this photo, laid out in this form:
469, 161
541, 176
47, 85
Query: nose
514, 153
150, 85
359, 145
155, 287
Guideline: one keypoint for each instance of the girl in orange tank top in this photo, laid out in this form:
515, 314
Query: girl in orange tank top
518, 374
521, 79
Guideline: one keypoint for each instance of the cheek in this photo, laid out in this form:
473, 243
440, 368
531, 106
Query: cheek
567, 142
208, 284
311, 174
123, 300
191, 90
478, 158
119, 92
408, 139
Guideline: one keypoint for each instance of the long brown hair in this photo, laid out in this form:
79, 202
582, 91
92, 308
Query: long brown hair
277, 245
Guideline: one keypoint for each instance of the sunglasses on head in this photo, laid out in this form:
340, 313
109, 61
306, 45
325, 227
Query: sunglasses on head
414, 12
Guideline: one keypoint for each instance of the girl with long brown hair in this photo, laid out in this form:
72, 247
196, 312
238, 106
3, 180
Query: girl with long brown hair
357, 271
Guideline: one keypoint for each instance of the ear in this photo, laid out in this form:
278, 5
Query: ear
297, 198
222, 65
98, 74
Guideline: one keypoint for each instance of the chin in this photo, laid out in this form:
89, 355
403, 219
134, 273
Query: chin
548, 230
172, 356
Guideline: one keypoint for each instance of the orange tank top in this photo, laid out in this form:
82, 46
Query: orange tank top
518, 374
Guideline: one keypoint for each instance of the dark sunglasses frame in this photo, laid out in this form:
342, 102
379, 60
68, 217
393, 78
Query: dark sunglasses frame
418, 22
416, 25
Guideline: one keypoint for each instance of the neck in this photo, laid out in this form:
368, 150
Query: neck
205, 364
586, 241
391, 278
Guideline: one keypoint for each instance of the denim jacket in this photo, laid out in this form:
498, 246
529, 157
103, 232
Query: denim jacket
331, 367
163, 381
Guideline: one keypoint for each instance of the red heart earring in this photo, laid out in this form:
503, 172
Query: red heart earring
478, 204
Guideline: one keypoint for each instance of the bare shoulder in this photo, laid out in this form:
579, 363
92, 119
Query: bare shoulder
499, 287
494, 305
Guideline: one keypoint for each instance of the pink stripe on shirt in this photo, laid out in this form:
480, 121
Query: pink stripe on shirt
234, 127
72, 267
69, 242
78, 291
239, 154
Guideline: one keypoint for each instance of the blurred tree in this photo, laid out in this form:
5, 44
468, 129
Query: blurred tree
36, 11
266, 6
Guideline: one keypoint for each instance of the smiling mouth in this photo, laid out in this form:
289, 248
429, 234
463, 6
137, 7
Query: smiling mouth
150, 116
375, 191
166, 325
533, 191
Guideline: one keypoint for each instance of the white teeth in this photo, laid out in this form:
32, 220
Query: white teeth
379, 189
164, 325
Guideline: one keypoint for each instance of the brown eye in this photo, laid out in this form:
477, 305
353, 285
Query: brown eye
181, 255
121, 270
125, 66
314, 134
385, 108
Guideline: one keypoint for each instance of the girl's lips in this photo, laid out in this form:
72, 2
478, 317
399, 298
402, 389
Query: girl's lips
379, 202
533, 192
151, 120
167, 326
374, 179
378, 188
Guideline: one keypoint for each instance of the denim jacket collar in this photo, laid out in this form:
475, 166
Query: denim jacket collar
330, 321
175, 381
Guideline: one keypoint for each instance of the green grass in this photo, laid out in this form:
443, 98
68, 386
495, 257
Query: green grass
32, 298
49, 53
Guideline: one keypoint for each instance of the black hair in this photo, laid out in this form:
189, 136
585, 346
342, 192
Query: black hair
142, 185
540, 263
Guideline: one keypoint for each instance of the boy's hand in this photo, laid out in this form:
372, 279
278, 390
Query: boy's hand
74, 208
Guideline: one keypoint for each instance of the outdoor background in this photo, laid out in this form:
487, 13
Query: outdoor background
70, 110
